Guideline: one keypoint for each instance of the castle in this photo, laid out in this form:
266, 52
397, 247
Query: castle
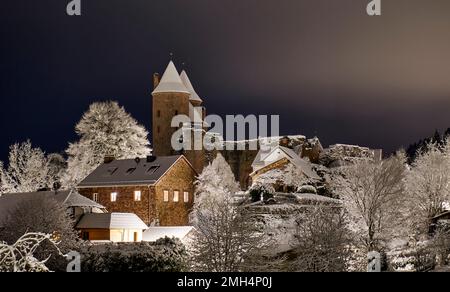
174, 95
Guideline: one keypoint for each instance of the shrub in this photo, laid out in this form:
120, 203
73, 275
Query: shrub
261, 190
307, 189
165, 255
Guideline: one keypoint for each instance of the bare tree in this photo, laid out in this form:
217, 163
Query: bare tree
20, 256
373, 195
428, 186
322, 241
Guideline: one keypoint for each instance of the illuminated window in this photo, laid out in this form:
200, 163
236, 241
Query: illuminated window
137, 196
95, 197
166, 196
113, 197
186, 197
176, 196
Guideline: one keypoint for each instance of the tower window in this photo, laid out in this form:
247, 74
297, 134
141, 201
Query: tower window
186, 197
176, 196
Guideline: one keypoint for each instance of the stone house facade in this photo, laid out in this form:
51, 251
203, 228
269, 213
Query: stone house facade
159, 190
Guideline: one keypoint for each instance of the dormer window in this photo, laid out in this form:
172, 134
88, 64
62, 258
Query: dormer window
131, 170
153, 169
111, 170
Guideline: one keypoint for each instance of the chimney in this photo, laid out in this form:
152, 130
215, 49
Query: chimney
109, 158
285, 141
151, 158
156, 80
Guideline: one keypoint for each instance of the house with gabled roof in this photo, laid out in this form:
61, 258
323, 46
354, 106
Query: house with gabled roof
76, 204
278, 158
159, 190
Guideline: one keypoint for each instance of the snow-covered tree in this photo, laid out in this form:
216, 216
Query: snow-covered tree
322, 241
225, 235
41, 213
27, 170
373, 195
56, 167
20, 256
217, 180
428, 185
105, 129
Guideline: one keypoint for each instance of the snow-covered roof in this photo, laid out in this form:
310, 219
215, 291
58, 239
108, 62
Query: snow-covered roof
145, 171
187, 82
171, 81
154, 233
74, 199
265, 158
111, 221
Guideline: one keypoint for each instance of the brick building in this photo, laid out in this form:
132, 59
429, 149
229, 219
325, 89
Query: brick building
160, 190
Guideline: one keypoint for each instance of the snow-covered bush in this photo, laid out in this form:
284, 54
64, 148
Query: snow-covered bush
261, 192
164, 255
307, 190
105, 129
20, 256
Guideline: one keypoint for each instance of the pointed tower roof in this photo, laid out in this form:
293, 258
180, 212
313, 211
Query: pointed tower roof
171, 81
185, 79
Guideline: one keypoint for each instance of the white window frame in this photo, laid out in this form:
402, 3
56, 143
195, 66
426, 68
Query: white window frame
95, 197
114, 197
186, 197
137, 196
176, 196
166, 196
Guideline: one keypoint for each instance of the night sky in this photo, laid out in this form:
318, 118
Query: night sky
324, 66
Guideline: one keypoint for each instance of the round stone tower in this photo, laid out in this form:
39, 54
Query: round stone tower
170, 98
